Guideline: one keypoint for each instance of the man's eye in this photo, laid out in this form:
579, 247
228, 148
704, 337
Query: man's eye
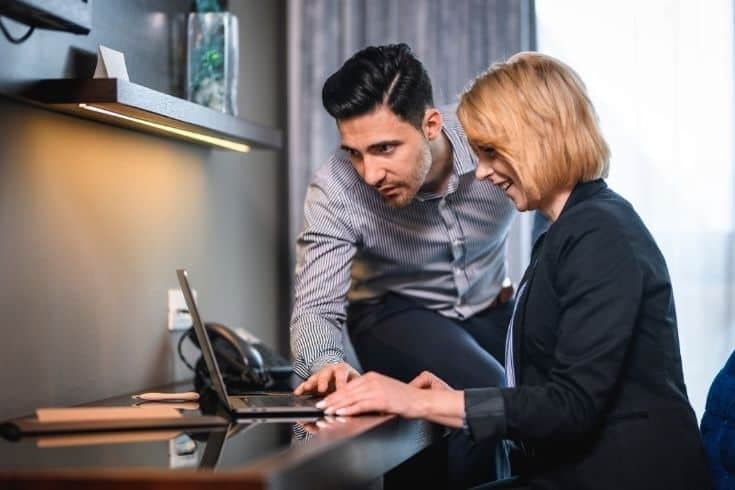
384, 148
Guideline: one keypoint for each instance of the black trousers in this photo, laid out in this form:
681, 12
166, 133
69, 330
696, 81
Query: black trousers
400, 338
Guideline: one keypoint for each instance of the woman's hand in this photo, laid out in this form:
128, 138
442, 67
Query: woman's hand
325, 423
426, 396
373, 392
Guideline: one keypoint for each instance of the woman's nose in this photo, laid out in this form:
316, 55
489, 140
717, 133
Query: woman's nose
483, 172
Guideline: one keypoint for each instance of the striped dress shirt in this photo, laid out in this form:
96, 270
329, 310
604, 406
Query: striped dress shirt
446, 251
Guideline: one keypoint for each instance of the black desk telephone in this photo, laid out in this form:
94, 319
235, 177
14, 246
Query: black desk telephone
246, 363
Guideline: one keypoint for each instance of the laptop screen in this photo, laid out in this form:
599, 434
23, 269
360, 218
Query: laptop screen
207, 352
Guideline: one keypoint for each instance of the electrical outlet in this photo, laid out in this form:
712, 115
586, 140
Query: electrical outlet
179, 317
182, 452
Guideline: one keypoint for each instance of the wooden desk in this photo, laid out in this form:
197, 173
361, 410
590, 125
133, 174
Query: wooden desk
350, 454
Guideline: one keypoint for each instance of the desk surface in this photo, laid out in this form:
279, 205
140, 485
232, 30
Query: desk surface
250, 454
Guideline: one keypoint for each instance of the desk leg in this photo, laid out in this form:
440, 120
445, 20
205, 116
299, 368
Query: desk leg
425, 470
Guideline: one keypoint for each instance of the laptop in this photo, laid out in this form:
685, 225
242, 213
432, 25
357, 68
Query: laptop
260, 404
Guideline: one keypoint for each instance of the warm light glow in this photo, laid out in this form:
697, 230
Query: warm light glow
212, 140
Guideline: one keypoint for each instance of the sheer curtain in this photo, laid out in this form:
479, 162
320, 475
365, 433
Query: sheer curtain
660, 74
455, 39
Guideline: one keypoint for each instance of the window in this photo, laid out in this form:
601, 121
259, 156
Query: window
660, 74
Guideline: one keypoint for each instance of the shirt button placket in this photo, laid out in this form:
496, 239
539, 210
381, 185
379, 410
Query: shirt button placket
456, 244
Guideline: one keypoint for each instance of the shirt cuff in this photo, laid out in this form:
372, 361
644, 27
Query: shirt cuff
325, 361
485, 413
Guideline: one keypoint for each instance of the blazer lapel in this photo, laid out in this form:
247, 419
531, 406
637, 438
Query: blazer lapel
519, 320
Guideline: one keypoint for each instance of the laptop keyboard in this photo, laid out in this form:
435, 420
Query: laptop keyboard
285, 400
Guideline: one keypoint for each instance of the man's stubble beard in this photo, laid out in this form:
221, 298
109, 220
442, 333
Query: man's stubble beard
418, 176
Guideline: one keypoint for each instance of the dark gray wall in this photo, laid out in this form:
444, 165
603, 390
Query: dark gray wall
94, 219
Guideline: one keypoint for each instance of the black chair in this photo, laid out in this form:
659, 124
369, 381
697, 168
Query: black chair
718, 427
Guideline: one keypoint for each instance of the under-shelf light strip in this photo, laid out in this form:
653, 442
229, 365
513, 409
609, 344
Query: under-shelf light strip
212, 140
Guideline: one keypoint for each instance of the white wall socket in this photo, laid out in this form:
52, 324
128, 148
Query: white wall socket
183, 452
179, 317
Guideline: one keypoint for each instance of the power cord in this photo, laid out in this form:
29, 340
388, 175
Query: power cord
16, 40
181, 353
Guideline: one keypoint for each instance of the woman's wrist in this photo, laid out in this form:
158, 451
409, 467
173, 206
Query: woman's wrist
424, 404
446, 406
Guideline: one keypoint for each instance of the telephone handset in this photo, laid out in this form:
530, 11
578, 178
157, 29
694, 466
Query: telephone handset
241, 349
240, 358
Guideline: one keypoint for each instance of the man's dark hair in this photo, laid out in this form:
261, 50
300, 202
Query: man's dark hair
379, 74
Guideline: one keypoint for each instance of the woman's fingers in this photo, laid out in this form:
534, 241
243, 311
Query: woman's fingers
345, 399
358, 407
371, 392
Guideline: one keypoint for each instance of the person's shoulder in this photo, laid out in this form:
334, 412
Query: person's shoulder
449, 118
601, 219
467, 160
604, 209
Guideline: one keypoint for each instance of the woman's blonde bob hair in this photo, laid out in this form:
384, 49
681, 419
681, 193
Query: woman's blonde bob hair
535, 112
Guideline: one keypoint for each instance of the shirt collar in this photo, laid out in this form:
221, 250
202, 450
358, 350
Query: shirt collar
583, 191
464, 159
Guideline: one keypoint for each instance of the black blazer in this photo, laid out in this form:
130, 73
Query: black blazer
600, 401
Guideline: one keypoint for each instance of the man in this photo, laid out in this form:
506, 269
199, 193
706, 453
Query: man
401, 243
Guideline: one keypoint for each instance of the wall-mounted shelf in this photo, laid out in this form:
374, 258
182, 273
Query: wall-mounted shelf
123, 103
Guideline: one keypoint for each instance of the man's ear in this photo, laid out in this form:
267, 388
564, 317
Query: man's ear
432, 123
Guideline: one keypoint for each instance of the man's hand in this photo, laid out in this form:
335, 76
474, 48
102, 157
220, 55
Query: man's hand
328, 379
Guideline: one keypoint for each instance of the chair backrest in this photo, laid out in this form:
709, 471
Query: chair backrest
718, 426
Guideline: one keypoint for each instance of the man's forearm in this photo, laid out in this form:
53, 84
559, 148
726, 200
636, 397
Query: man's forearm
315, 343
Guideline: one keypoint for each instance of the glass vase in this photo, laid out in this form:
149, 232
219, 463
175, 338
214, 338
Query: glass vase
211, 60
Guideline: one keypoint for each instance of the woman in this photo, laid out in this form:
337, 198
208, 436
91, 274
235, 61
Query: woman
595, 397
